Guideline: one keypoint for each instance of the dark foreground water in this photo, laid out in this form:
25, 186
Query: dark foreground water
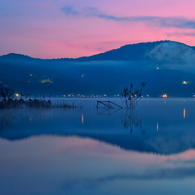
149, 150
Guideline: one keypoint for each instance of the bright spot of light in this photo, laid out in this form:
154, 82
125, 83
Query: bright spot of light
163, 95
184, 113
184, 82
105, 95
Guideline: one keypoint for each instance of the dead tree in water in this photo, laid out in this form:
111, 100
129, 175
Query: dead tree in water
131, 98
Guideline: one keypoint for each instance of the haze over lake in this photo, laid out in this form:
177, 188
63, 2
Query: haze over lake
147, 150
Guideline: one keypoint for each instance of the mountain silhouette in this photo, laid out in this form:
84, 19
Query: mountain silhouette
163, 65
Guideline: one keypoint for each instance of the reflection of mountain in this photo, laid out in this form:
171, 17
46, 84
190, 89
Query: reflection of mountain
174, 136
163, 65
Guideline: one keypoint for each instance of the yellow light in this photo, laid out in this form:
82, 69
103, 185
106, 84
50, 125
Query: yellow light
46, 81
82, 119
30, 75
184, 113
184, 82
193, 95
17, 95
105, 95
163, 95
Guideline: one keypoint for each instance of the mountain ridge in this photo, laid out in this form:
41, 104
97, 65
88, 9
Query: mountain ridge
137, 51
167, 67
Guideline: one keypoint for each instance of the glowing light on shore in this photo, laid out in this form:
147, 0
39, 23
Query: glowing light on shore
163, 95
105, 95
17, 95
47, 81
184, 82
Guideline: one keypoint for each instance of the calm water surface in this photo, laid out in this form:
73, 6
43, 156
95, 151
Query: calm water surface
149, 150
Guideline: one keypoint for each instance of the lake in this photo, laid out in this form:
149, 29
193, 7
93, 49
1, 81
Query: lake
147, 150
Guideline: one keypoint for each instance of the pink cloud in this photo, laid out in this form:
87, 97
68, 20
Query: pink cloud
43, 29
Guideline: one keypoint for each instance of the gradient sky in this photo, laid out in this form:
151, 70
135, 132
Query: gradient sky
74, 28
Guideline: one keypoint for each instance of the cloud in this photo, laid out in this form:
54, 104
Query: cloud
168, 22
69, 10
176, 34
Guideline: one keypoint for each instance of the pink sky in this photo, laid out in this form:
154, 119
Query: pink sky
74, 28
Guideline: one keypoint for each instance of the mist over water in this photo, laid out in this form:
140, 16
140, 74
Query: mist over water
99, 151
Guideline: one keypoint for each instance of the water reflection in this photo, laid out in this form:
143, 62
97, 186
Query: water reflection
74, 165
6, 120
123, 128
132, 121
184, 113
82, 119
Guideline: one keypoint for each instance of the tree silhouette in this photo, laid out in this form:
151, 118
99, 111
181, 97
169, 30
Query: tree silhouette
130, 97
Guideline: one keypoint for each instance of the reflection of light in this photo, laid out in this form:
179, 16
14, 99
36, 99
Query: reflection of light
82, 119
184, 82
157, 126
184, 113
